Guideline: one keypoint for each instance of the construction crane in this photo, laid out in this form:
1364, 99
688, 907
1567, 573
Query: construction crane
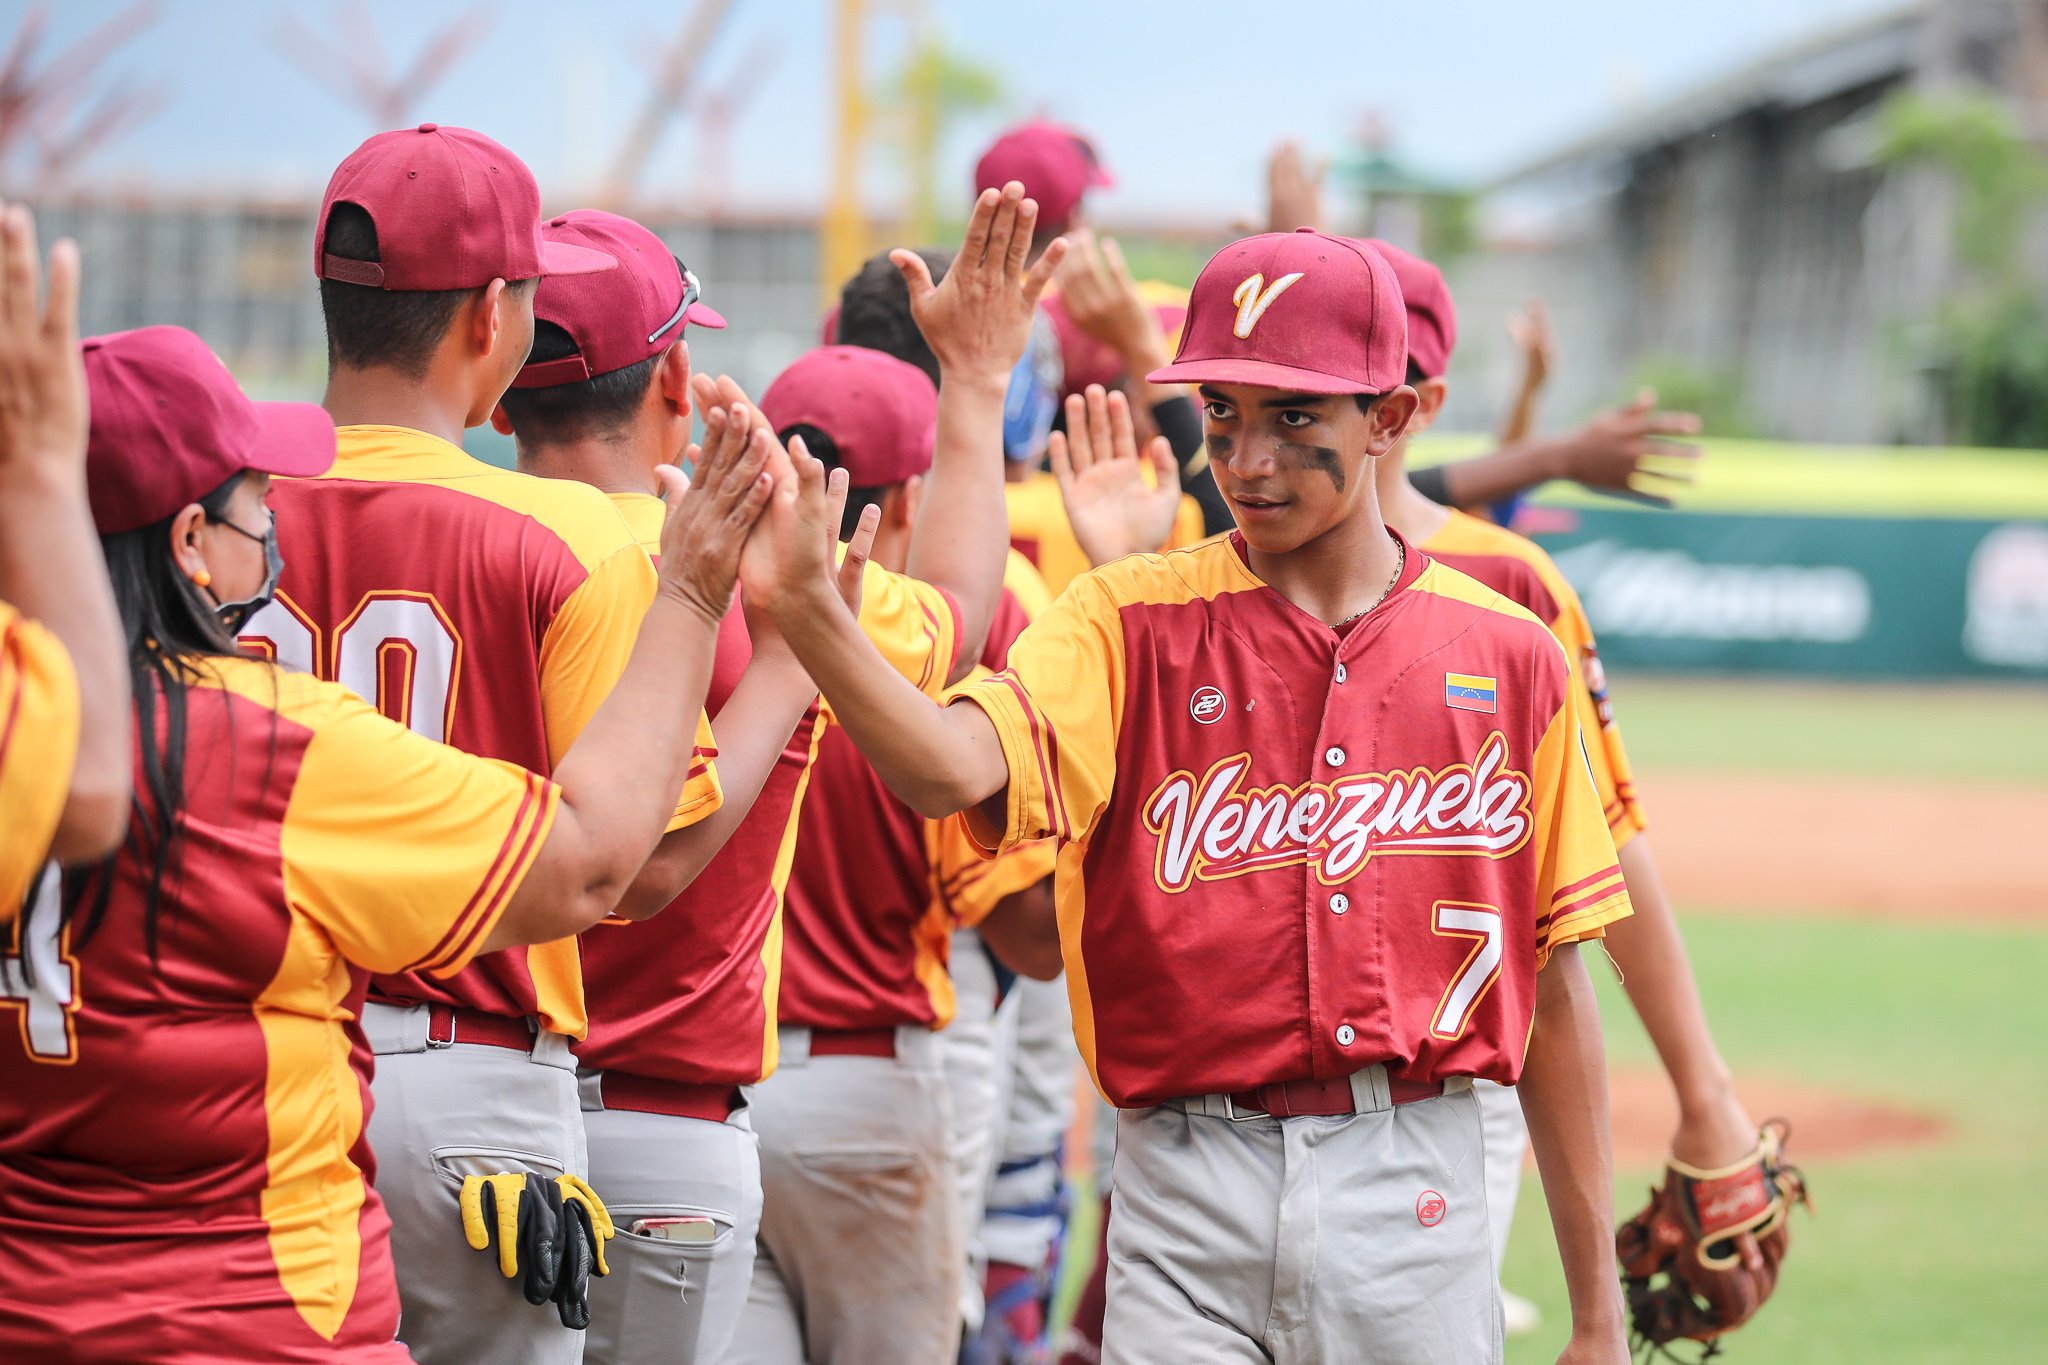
354, 69
672, 86
716, 111
48, 105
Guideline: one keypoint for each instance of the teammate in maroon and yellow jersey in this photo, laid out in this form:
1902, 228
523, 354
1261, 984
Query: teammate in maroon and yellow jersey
183, 1176
874, 896
482, 607
607, 398
1327, 847
1714, 1130
63, 686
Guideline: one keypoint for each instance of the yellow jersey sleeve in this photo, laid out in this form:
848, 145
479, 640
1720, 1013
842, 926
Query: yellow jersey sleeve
1613, 778
969, 883
1579, 883
583, 654
1057, 709
39, 718
406, 852
913, 625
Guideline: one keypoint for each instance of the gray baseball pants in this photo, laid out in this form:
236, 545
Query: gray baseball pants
859, 1258
666, 1302
1361, 1239
442, 1113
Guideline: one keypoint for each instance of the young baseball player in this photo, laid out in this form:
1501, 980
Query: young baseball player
1713, 1130
1327, 847
63, 690
182, 1171
483, 607
682, 1008
873, 897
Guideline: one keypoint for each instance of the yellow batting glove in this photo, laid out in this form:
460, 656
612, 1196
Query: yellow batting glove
576, 1191
505, 1189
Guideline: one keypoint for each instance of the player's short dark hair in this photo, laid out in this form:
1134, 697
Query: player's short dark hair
595, 406
874, 311
396, 329
1415, 375
1367, 401
826, 451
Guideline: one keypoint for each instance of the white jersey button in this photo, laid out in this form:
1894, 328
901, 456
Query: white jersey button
1341, 674
1339, 903
1333, 756
1346, 1035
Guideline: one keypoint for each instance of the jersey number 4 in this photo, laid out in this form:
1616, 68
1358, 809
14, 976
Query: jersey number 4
397, 650
1476, 975
40, 980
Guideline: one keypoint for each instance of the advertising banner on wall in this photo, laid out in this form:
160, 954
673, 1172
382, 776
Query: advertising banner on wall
1839, 596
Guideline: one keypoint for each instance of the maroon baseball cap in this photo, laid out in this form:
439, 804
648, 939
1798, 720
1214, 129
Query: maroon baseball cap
882, 413
170, 425
1432, 321
619, 317
1055, 165
453, 210
1300, 310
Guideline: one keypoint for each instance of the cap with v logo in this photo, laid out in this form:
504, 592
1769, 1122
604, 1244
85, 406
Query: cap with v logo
1302, 311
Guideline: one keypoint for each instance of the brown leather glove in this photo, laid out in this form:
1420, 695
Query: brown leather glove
1704, 1255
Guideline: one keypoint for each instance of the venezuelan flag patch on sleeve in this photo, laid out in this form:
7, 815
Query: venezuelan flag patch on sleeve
1468, 692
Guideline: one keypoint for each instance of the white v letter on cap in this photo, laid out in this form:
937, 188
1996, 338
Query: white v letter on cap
1252, 303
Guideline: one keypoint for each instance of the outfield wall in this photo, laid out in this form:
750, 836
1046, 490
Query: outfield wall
1815, 560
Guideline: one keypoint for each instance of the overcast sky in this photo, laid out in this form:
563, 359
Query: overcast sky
1183, 98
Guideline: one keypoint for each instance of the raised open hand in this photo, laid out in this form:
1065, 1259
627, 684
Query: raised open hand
705, 532
1114, 510
42, 375
978, 319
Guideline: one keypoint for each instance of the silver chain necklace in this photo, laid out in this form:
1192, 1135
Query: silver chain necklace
1400, 563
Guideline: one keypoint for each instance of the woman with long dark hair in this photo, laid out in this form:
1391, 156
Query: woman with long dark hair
182, 1171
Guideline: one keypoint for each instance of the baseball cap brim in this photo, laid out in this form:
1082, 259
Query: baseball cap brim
702, 314
560, 258
292, 439
1261, 373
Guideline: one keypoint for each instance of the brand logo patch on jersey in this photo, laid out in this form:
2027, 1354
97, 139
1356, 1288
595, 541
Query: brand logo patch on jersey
1217, 827
1206, 705
1469, 692
1253, 296
1430, 1208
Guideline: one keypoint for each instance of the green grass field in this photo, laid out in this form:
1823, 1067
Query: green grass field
1919, 1255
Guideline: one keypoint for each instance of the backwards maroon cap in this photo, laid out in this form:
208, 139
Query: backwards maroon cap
1056, 166
1300, 310
1432, 321
620, 317
882, 413
453, 210
170, 425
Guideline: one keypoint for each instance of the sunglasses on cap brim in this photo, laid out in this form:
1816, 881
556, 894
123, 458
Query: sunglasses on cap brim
692, 291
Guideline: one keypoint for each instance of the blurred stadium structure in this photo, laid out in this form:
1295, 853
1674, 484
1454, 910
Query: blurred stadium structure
1843, 242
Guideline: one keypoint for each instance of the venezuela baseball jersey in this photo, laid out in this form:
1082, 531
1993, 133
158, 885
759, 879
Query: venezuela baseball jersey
690, 995
481, 607
1040, 531
38, 745
878, 889
1289, 852
182, 1171
1518, 569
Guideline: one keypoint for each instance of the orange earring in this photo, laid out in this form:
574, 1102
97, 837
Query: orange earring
202, 579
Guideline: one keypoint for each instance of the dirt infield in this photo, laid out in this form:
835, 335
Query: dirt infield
1895, 847
1826, 1124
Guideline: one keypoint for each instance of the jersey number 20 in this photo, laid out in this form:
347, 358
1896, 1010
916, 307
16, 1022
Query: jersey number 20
397, 650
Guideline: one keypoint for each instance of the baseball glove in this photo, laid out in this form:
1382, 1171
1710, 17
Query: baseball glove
1700, 1260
